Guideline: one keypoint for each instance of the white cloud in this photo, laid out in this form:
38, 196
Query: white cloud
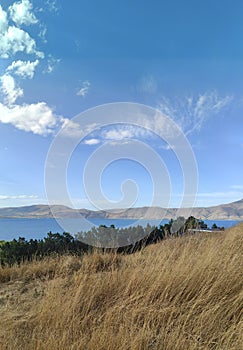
13, 40
24, 69
37, 118
191, 112
84, 89
20, 12
124, 132
91, 142
119, 134
3, 20
9, 89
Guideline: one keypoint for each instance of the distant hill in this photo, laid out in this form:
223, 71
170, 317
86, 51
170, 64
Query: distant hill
231, 211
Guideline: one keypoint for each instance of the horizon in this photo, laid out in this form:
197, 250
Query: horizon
182, 60
50, 205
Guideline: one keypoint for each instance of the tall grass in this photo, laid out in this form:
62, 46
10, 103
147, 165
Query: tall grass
182, 293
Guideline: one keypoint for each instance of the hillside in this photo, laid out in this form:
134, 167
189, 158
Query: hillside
179, 294
231, 211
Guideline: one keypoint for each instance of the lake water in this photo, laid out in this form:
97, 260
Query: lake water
38, 228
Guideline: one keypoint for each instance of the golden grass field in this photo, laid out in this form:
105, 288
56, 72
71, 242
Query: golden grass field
182, 293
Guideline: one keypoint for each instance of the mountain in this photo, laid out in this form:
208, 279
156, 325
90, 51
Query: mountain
231, 211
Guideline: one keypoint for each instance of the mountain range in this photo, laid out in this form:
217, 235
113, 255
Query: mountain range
231, 211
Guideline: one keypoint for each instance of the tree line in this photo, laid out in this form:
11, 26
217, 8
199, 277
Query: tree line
128, 240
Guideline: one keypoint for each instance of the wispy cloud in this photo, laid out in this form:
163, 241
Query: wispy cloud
84, 89
74, 130
77, 44
170, 119
192, 112
21, 196
147, 84
116, 134
52, 63
222, 194
216, 198
42, 33
52, 6
71, 129
237, 187
213, 198
94, 134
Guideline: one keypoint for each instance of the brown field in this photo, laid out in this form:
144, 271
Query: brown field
183, 293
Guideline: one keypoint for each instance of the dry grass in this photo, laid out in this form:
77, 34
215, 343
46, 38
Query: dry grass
183, 293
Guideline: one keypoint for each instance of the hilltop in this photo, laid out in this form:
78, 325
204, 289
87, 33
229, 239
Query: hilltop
230, 211
180, 294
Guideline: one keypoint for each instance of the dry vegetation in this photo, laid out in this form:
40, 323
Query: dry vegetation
182, 293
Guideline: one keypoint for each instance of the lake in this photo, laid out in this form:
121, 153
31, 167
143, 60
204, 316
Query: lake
38, 228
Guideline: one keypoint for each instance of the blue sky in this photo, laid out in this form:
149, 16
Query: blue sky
59, 58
